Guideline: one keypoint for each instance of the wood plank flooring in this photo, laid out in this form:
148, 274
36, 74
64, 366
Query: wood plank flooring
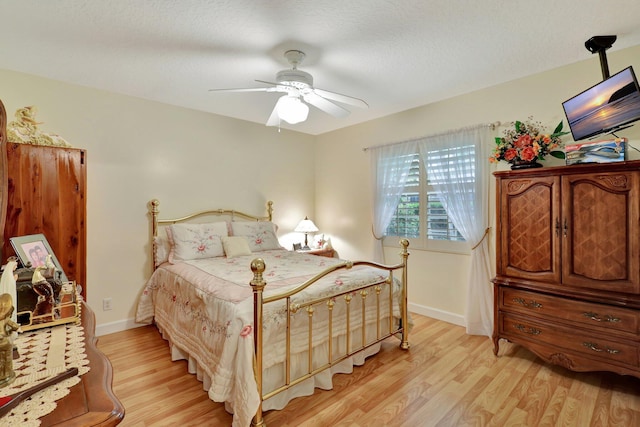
447, 378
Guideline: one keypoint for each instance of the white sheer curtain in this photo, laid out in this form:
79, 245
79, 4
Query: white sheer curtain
458, 169
390, 166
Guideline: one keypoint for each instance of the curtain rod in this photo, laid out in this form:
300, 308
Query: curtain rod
493, 126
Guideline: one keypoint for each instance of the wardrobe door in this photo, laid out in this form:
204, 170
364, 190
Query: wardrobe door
46, 194
529, 228
600, 241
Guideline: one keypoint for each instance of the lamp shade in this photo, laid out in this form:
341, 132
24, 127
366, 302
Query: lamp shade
292, 110
306, 226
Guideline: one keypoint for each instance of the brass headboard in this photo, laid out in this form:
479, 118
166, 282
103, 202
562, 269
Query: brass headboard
156, 222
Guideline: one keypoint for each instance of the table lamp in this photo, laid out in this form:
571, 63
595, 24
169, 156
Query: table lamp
306, 226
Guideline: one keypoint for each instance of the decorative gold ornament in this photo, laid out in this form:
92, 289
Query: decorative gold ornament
25, 130
8, 326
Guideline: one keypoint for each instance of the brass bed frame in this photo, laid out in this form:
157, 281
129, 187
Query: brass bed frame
258, 284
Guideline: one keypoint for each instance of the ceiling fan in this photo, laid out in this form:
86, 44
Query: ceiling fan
297, 85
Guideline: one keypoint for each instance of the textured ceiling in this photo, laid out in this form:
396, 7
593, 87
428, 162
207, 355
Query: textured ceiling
395, 55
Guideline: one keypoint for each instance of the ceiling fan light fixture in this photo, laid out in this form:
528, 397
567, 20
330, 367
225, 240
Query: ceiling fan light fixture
292, 110
297, 85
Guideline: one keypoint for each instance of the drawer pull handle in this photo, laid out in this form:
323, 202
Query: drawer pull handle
532, 304
530, 331
594, 347
607, 318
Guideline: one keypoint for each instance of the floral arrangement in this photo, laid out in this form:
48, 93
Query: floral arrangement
526, 142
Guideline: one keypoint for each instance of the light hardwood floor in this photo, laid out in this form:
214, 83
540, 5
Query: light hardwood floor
447, 378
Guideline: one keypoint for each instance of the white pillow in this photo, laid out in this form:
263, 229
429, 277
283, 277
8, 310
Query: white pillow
196, 241
260, 234
235, 246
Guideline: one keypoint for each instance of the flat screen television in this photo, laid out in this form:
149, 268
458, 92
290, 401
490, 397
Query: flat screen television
606, 107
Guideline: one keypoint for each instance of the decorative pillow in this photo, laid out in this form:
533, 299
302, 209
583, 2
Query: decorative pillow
235, 246
196, 241
261, 234
161, 248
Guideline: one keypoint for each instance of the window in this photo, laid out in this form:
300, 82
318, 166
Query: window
406, 219
420, 215
439, 227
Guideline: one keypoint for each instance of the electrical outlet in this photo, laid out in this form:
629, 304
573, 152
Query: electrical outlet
106, 304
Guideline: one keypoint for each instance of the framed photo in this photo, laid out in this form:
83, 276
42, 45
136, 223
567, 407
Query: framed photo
608, 151
297, 246
33, 250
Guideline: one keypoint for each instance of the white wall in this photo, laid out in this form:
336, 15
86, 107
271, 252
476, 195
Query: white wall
138, 150
437, 280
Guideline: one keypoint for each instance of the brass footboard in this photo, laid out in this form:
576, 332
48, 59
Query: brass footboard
365, 292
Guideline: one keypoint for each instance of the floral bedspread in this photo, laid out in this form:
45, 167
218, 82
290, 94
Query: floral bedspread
206, 308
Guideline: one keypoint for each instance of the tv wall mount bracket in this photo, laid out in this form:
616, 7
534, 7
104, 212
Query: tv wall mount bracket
599, 45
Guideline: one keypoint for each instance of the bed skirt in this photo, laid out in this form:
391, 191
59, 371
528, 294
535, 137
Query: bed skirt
322, 380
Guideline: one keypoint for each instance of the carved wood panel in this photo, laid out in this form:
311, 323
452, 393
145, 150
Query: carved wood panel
530, 213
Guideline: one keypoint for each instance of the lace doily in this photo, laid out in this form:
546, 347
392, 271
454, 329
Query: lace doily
44, 353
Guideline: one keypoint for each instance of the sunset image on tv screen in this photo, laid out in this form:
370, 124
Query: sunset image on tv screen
604, 107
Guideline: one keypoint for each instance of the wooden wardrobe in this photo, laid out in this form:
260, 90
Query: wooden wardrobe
568, 265
43, 191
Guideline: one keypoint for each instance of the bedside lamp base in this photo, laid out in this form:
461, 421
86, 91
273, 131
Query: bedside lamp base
306, 243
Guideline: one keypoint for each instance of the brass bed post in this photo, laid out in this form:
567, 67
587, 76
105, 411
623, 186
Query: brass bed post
404, 344
258, 284
154, 230
270, 210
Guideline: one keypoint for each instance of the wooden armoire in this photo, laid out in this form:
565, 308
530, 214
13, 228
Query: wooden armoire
43, 191
568, 265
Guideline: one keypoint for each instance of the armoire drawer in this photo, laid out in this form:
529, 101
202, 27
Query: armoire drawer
590, 314
575, 340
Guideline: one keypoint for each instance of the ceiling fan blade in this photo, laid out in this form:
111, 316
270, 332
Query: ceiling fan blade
247, 89
267, 83
280, 87
274, 119
334, 96
324, 105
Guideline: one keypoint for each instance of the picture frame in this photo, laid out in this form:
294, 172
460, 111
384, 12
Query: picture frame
606, 151
297, 246
32, 250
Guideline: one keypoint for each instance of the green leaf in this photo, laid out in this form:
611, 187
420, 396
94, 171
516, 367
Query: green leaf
498, 140
558, 154
558, 128
558, 131
518, 124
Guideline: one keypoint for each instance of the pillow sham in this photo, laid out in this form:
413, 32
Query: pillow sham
261, 235
161, 248
196, 241
235, 246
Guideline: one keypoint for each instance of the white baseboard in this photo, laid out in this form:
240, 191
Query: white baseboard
445, 316
117, 326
